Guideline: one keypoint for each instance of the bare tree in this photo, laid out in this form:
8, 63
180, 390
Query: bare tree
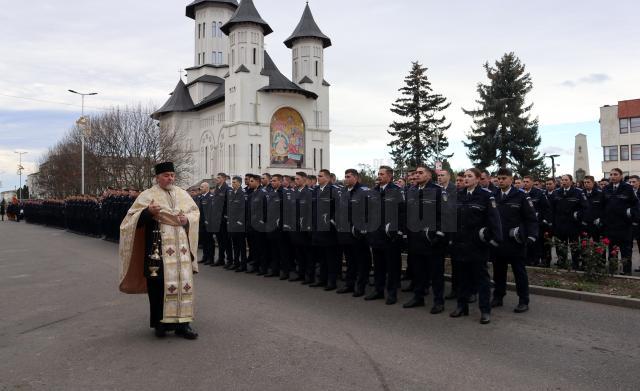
122, 146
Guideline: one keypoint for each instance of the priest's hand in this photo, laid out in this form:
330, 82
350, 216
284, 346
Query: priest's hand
154, 209
183, 219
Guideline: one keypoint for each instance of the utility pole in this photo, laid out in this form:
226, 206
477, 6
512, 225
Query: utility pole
553, 165
82, 122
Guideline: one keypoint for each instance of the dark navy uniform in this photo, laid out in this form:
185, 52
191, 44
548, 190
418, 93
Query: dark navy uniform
478, 228
257, 230
385, 230
619, 212
350, 220
427, 243
299, 225
236, 226
323, 237
217, 224
535, 251
570, 207
519, 227
593, 225
206, 239
278, 245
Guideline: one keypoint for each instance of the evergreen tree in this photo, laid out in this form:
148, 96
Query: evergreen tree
503, 134
420, 138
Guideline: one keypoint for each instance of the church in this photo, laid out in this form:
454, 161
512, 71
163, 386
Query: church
238, 112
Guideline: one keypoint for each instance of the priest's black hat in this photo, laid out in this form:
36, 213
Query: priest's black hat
164, 167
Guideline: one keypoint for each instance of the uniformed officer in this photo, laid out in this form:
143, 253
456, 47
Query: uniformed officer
237, 223
519, 228
569, 207
427, 241
217, 221
275, 235
323, 236
385, 232
350, 225
595, 199
203, 200
535, 251
620, 210
299, 224
257, 228
478, 228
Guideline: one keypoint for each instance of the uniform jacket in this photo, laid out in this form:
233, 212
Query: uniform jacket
479, 225
323, 213
350, 215
386, 219
237, 211
518, 220
424, 219
569, 208
620, 210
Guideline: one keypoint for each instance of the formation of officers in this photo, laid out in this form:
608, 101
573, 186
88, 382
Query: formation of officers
300, 228
88, 215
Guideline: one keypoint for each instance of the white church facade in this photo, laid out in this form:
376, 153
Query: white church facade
239, 113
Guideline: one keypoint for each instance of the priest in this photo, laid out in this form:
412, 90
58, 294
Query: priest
158, 253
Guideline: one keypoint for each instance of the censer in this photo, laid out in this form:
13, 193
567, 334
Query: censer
155, 259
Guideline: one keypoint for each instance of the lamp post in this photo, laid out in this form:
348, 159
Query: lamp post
20, 168
553, 165
82, 134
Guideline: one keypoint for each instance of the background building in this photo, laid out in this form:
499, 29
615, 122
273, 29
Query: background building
239, 113
620, 137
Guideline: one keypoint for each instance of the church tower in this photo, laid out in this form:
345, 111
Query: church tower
210, 44
246, 31
308, 43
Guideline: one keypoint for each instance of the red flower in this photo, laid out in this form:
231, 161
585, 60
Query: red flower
614, 253
584, 243
606, 241
599, 250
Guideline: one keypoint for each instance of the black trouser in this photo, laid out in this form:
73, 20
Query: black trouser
474, 276
278, 252
410, 272
535, 250
256, 248
239, 248
306, 267
155, 291
500, 266
358, 264
626, 250
208, 248
429, 270
224, 246
387, 267
455, 276
328, 265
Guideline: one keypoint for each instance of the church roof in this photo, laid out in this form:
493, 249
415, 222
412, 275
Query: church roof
307, 28
191, 8
305, 80
216, 96
246, 13
278, 82
180, 100
242, 68
207, 79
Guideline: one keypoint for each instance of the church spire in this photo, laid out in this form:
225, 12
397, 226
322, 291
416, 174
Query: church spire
247, 13
307, 28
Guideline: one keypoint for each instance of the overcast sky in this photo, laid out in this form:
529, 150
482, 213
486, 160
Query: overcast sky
581, 56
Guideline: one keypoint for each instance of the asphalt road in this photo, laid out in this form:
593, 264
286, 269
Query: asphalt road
64, 326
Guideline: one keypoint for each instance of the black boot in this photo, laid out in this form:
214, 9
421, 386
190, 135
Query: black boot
186, 331
345, 289
375, 295
460, 311
485, 318
160, 331
414, 302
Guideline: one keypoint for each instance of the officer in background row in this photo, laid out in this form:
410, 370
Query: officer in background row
595, 200
350, 220
427, 241
519, 229
203, 200
569, 208
535, 251
237, 224
385, 231
619, 212
323, 236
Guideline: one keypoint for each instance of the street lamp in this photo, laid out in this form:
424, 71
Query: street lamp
20, 168
82, 133
553, 165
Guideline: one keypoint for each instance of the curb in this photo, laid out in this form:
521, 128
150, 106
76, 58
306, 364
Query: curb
618, 301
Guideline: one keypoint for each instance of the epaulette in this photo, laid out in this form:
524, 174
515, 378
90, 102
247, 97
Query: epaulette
487, 190
365, 188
